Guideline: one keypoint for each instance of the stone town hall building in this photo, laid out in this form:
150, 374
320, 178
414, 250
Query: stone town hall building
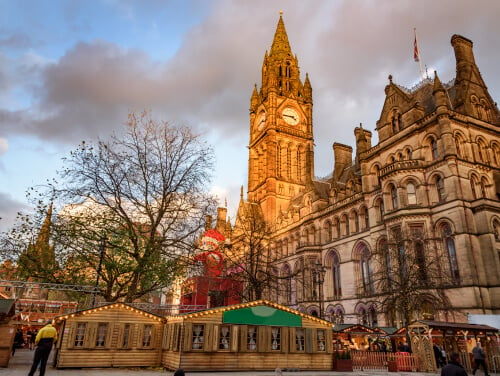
431, 186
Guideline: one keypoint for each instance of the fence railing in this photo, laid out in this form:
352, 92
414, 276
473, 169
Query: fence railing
379, 361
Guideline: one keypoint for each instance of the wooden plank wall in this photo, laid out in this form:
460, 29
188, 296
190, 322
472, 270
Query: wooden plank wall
112, 355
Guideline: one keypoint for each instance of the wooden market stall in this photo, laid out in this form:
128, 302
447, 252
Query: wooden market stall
452, 337
7, 330
259, 335
114, 335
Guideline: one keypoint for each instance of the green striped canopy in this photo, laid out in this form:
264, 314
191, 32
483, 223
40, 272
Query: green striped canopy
261, 315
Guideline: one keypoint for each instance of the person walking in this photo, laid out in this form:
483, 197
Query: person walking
479, 359
453, 368
18, 341
44, 341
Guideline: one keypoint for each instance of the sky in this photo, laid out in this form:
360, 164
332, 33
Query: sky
71, 70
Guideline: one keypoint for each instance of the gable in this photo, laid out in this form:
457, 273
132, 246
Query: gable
261, 315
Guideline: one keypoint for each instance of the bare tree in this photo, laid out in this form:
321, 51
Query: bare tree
130, 208
250, 255
410, 275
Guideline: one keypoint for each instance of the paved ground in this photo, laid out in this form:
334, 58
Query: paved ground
20, 364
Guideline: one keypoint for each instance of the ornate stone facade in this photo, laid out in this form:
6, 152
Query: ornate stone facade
434, 176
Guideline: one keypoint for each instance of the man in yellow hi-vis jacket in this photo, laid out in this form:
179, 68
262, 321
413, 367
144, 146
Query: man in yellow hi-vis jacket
44, 341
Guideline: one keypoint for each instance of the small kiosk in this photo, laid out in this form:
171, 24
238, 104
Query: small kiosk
7, 330
114, 335
258, 335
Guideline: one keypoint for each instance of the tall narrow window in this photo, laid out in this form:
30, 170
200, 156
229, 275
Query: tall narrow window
449, 244
440, 188
198, 339
299, 339
321, 339
252, 338
411, 194
275, 338
102, 330
224, 337
337, 287
126, 335
434, 149
483, 187
366, 271
394, 196
146, 337
80, 334
420, 262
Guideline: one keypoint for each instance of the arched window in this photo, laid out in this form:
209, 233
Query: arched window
364, 218
411, 194
449, 245
366, 271
379, 205
434, 149
394, 196
495, 150
345, 219
473, 183
337, 228
459, 146
327, 231
484, 183
408, 154
336, 282
363, 316
496, 229
440, 188
355, 218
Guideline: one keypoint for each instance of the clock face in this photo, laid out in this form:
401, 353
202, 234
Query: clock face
261, 120
290, 116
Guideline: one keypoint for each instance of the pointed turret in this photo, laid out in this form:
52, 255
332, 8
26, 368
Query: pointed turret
472, 97
440, 94
280, 46
307, 89
254, 100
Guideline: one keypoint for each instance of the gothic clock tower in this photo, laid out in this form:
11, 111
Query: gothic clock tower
281, 136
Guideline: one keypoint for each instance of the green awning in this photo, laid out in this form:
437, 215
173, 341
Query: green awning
261, 315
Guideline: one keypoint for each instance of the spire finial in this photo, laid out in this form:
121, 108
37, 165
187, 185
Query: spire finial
281, 13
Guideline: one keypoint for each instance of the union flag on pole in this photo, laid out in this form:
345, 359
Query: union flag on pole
416, 52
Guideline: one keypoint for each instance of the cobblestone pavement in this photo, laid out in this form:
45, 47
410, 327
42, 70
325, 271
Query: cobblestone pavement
20, 364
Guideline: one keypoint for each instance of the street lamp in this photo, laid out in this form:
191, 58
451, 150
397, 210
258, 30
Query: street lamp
102, 248
320, 279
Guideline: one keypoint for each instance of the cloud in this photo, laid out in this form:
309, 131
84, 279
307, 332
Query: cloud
4, 146
348, 49
9, 207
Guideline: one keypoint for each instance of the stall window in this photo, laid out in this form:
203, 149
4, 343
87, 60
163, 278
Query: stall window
102, 331
320, 334
224, 337
146, 337
252, 338
126, 335
299, 339
275, 338
198, 337
80, 334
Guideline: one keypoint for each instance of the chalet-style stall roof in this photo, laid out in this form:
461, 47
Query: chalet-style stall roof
114, 335
258, 335
442, 329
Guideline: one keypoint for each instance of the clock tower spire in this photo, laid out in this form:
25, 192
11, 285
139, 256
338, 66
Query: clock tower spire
281, 138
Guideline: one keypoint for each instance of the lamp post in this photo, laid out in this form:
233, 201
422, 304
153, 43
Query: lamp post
102, 248
320, 279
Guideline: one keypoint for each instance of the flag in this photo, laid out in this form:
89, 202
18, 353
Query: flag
416, 52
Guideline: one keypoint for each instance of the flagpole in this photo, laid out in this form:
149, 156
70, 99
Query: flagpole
416, 54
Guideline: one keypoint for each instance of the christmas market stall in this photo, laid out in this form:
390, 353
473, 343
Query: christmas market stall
7, 330
428, 336
114, 335
258, 335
